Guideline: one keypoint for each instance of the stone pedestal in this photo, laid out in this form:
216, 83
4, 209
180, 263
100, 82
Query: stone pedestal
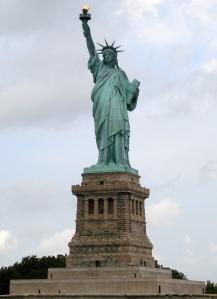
110, 253
110, 225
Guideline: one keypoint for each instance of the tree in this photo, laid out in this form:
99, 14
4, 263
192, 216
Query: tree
178, 275
30, 267
211, 287
175, 273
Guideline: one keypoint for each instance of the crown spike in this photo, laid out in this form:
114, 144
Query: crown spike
107, 46
100, 45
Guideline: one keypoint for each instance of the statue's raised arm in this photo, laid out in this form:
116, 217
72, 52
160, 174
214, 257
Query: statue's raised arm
89, 40
85, 17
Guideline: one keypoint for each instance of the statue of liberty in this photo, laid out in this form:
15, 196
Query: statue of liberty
112, 96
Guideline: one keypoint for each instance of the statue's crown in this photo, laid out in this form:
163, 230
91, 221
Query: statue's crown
108, 47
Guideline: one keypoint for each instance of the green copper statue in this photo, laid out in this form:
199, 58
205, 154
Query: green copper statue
113, 95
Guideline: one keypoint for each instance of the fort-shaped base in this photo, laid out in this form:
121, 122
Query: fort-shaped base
134, 281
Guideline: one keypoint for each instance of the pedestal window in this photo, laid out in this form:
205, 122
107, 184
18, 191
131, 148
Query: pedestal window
140, 209
133, 206
90, 206
101, 206
110, 206
137, 208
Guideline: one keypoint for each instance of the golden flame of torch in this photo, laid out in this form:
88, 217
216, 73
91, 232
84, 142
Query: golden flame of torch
86, 8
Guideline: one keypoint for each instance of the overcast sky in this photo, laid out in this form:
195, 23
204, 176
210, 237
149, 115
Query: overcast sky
47, 132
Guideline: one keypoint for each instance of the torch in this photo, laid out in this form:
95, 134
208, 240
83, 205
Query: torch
85, 16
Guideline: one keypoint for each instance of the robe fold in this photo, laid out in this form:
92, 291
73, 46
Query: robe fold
111, 100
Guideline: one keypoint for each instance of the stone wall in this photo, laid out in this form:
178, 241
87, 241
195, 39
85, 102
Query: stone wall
206, 296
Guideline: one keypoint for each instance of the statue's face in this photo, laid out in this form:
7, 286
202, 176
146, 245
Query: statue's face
109, 57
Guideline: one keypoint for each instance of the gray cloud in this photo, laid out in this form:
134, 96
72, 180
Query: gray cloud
43, 62
32, 206
208, 173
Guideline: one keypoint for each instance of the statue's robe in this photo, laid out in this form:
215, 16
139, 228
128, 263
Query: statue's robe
111, 100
